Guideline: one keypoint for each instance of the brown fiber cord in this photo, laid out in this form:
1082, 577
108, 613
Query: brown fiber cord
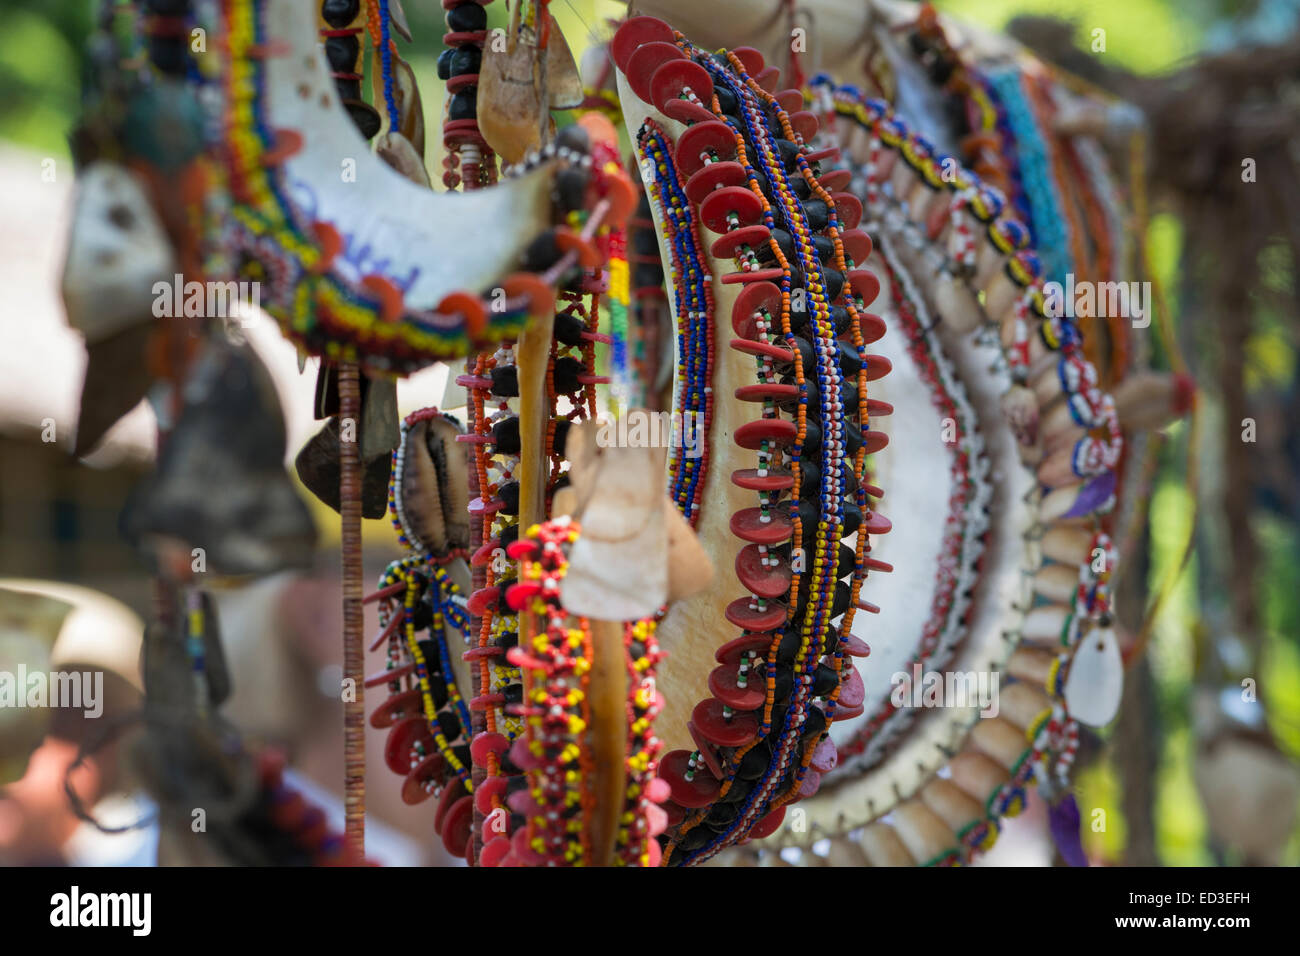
354, 710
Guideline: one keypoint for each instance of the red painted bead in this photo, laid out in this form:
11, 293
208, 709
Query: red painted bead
751, 435
486, 744
825, 757
748, 525
451, 795
764, 579
668, 83
405, 704
723, 685
737, 731
380, 678
635, 32
721, 204
776, 479
458, 826
707, 750
728, 246
694, 793
739, 613
415, 788
714, 137
494, 851
643, 63
711, 177
731, 652
402, 739
491, 788
848, 209
852, 690
767, 825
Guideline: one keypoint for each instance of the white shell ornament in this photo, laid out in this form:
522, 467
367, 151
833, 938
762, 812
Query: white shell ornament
1096, 680
117, 252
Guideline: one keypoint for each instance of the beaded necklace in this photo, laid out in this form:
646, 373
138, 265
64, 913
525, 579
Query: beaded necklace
695, 329
269, 235
782, 780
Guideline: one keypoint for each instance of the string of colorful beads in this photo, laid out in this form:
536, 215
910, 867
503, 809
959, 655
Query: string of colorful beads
468, 159
643, 819
693, 390
556, 668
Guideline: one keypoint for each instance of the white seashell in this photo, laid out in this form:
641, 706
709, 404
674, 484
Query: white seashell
116, 253
1096, 680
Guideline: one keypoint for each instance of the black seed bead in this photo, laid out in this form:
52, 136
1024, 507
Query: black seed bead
721, 816
569, 328
694, 839
437, 687
819, 214
508, 639
342, 53
570, 189
825, 680
567, 370
852, 438
841, 319
467, 18
727, 101
339, 13
449, 722
561, 435
848, 561
783, 685
813, 725
505, 381
505, 436
514, 693
465, 60
542, 253
739, 791
754, 764
509, 493
464, 104
789, 154
850, 363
